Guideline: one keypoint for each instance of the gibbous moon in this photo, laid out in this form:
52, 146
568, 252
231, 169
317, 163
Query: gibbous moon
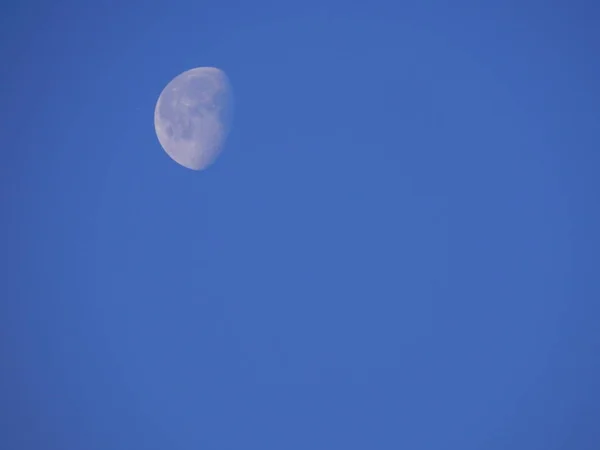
192, 116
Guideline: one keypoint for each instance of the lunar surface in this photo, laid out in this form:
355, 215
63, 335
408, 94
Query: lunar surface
193, 116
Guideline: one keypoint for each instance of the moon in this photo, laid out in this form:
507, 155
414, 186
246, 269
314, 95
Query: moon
193, 115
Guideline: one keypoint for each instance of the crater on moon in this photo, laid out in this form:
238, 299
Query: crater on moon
193, 115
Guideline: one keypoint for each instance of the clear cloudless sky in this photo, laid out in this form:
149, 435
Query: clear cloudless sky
397, 249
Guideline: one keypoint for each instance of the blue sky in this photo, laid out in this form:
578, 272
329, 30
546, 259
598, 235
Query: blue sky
397, 248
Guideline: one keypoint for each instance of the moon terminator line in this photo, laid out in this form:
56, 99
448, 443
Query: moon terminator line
193, 115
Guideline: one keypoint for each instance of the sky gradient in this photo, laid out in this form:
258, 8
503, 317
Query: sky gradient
397, 249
